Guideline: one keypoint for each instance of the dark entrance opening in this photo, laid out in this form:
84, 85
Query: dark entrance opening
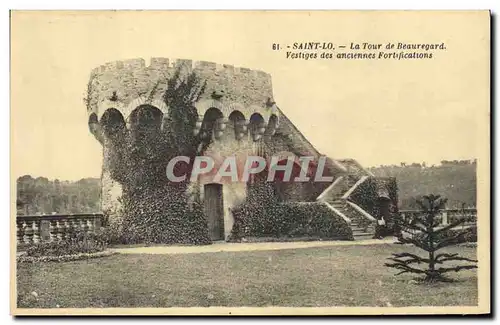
214, 209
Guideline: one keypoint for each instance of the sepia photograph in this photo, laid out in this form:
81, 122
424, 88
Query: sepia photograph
250, 162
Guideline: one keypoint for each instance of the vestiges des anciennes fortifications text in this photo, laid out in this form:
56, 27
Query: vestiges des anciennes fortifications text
360, 50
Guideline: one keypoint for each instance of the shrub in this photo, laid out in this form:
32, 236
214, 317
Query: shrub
113, 233
467, 235
75, 243
289, 220
160, 215
63, 258
470, 235
368, 196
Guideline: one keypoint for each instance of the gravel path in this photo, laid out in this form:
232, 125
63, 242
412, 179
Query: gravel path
241, 247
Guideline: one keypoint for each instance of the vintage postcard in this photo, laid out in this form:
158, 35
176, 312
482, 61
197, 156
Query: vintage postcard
250, 162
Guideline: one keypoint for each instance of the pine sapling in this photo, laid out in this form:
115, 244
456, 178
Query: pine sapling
430, 236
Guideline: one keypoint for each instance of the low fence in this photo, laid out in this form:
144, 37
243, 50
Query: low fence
448, 216
35, 229
39, 228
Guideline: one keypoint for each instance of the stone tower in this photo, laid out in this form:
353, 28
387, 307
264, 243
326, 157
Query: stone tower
236, 111
232, 115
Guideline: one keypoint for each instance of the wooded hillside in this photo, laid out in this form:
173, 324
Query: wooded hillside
455, 181
41, 195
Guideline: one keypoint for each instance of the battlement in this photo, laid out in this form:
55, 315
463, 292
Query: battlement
120, 84
172, 64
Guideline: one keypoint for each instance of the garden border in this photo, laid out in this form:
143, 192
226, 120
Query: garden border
63, 258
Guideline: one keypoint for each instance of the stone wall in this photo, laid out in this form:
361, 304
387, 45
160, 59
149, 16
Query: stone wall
234, 193
118, 84
111, 189
125, 85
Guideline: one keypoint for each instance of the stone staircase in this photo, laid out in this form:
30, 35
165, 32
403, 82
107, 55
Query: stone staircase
362, 227
336, 197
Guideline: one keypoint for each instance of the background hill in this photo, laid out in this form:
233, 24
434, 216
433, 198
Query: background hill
40, 195
455, 180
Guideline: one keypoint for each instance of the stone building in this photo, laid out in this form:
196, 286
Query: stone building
238, 117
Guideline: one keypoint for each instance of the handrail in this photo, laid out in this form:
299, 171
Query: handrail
62, 214
363, 212
329, 188
447, 210
59, 216
337, 212
55, 227
359, 182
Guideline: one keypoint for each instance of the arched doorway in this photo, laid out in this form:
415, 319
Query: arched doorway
214, 210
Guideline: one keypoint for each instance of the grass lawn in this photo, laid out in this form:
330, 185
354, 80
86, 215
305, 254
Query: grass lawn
330, 276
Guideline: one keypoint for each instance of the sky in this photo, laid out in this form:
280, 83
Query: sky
376, 111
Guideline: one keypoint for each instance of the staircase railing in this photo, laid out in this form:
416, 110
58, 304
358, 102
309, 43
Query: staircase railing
337, 212
362, 211
324, 194
358, 183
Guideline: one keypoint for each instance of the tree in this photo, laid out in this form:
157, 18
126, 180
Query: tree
430, 238
40, 195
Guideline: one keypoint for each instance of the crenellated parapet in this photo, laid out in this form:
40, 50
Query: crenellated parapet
124, 86
127, 113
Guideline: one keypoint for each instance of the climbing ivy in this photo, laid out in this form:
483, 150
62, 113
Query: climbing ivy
156, 210
368, 194
262, 215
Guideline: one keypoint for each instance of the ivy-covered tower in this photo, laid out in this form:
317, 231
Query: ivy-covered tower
146, 114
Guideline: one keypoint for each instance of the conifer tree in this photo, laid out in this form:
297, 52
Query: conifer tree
430, 236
